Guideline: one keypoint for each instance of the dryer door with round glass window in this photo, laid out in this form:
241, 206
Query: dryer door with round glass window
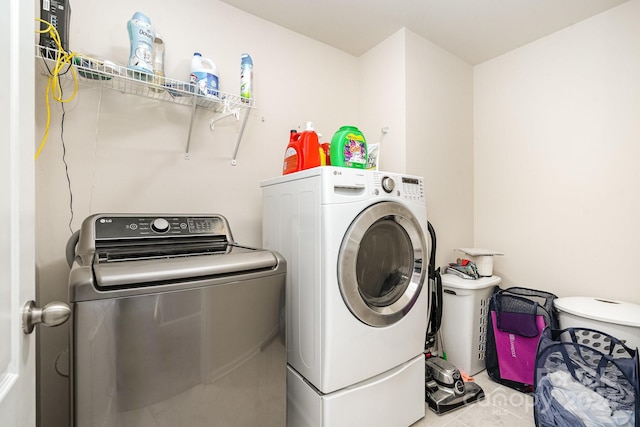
380, 268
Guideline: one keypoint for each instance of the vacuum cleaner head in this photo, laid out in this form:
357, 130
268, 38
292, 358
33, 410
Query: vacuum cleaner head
445, 388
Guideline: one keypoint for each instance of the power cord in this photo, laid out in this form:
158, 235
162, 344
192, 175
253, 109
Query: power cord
62, 60
54, 85
66, 165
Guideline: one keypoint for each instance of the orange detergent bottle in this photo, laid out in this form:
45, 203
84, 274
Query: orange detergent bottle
303, 151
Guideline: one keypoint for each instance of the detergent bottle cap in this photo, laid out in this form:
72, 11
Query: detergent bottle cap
139, 16
245, 59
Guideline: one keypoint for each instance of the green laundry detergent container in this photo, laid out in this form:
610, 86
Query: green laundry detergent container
348, 148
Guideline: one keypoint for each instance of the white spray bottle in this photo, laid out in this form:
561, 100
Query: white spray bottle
246, 77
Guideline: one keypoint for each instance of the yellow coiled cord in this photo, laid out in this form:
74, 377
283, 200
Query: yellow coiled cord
53, 83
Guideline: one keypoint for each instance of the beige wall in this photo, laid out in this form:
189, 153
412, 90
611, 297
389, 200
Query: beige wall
439, 142
556, 158
382, 73
423, 96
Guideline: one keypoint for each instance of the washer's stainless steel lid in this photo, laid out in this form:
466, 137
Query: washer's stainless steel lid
158, 271
117, 252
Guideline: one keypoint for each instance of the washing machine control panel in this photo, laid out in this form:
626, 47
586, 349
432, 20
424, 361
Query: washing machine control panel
118, 227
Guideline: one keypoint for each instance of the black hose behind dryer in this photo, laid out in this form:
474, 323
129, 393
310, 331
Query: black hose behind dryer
435, 284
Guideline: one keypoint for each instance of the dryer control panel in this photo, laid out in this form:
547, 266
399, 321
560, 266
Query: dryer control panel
413, 188
406, 187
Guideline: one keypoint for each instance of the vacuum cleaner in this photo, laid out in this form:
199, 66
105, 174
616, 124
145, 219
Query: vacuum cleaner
445, 389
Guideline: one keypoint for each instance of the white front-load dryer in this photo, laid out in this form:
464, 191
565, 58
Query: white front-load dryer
356, 293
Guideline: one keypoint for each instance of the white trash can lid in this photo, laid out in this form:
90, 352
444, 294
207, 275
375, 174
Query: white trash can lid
453, 281
602, 309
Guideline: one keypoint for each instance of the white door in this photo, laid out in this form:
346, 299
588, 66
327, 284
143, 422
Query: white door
17, 205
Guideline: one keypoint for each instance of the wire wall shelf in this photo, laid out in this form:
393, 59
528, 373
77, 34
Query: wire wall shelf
116, 77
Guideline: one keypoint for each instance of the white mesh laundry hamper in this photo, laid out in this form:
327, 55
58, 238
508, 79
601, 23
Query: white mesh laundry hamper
585, 377
465, 307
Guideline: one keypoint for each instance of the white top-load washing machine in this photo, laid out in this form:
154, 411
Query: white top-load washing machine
356, 292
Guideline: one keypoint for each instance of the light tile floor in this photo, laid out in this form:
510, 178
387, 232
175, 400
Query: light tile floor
502, 406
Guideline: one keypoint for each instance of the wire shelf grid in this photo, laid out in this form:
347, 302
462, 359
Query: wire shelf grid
126, 80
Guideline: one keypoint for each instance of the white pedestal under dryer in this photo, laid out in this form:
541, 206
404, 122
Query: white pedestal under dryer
356, 294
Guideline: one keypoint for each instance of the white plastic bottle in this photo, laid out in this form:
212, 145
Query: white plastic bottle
204, 75
158, 63
141, 36
246, 77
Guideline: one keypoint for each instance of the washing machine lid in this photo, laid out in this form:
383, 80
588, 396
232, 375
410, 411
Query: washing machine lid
125, 252
154, 271
380, 264
602, 309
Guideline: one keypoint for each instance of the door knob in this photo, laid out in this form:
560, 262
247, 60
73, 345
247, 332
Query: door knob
53, 314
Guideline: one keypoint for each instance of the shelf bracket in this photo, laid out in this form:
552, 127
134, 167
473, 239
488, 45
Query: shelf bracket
234, 113
244, 123
193, 115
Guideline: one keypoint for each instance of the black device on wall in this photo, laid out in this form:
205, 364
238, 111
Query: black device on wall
58, 14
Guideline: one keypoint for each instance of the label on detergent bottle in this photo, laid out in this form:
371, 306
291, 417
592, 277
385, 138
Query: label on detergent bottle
355, 151
206, 83
290, 161
204, 75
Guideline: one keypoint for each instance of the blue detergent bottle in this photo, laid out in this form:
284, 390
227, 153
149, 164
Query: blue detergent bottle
141, 37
